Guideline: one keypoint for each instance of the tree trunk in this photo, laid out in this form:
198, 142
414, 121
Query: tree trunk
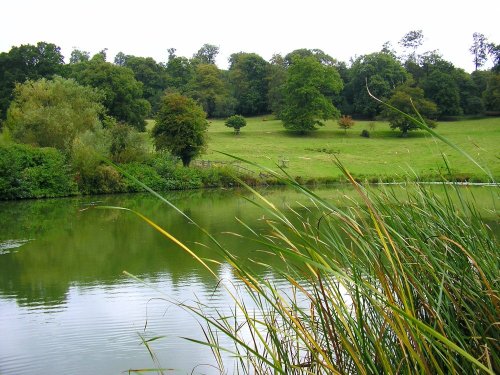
185, 161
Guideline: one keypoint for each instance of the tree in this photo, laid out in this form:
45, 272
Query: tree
479, 50
441, 87
491, 95
120, 59
411, 41
180, 127
382, 73
208, 88
179, 73
43, 60
206, 54
318, 54
123, 95
79, 56
276, 78
52, 113
345, 122
307, 94
494, 52
248, 79
405, 98
152, 75
236, 122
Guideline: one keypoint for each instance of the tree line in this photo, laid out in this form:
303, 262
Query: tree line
90, 108
132, 86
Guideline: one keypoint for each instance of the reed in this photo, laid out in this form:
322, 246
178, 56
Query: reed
382, 285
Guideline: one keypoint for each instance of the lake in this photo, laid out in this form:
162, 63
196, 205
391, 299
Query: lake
67, 308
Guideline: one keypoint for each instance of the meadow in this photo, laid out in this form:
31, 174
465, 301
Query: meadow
384, 155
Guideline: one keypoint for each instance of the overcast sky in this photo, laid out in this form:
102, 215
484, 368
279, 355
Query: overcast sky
342, 29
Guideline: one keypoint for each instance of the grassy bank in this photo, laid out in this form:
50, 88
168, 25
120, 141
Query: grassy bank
384, 155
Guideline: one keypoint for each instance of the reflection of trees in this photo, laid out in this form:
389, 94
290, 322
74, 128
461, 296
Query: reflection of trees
94, 246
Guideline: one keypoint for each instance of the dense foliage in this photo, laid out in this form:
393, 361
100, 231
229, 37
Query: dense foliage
307, 94
99, 109
51, 113
408, 99
236, 122
180, 127
33, 172
123, 95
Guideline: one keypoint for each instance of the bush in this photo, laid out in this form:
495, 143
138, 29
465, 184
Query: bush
345, 122
365, 133
146, 174
126, 144
29, 172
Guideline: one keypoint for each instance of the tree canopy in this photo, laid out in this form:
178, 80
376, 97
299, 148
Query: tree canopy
43, 60
51, 113
180, 127
382, 72
307, 94
123, 95
248, 76
406, 98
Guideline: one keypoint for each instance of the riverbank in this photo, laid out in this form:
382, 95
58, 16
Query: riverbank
384, 157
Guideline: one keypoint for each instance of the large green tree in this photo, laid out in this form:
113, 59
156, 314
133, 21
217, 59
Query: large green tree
43, 60
208, 88
152, 75
123, 95
308, 94
51, 113
382, 72
248, 78
180, 127
276, 78
180, 72
442, 88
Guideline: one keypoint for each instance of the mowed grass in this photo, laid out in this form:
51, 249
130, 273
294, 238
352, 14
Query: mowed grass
384, 155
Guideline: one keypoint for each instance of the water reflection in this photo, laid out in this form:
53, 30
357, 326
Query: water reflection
66, 306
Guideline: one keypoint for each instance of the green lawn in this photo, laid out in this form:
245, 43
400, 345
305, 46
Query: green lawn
384, 154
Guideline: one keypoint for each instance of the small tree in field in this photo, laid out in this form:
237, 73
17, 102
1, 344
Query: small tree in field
345, 122
236, 122
407, 99
180, 127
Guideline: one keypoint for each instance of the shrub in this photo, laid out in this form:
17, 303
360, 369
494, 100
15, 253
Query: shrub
29, 172
365, 133
126, 144
345, 122
146, 174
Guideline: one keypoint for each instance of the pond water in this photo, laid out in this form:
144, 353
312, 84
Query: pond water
67, 308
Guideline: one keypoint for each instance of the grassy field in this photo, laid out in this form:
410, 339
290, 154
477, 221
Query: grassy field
385, 154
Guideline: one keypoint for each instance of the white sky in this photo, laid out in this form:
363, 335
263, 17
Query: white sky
342, 29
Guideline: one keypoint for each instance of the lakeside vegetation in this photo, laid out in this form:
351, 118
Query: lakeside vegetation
382, 284
94, 113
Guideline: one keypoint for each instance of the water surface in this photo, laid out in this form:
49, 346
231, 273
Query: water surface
67, 308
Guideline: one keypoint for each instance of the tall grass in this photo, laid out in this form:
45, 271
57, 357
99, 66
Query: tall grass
382, 285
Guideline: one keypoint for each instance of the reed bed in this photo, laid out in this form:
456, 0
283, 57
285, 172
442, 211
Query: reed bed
385, 284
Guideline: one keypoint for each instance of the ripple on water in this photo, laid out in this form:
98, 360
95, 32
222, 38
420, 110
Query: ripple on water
11, 246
